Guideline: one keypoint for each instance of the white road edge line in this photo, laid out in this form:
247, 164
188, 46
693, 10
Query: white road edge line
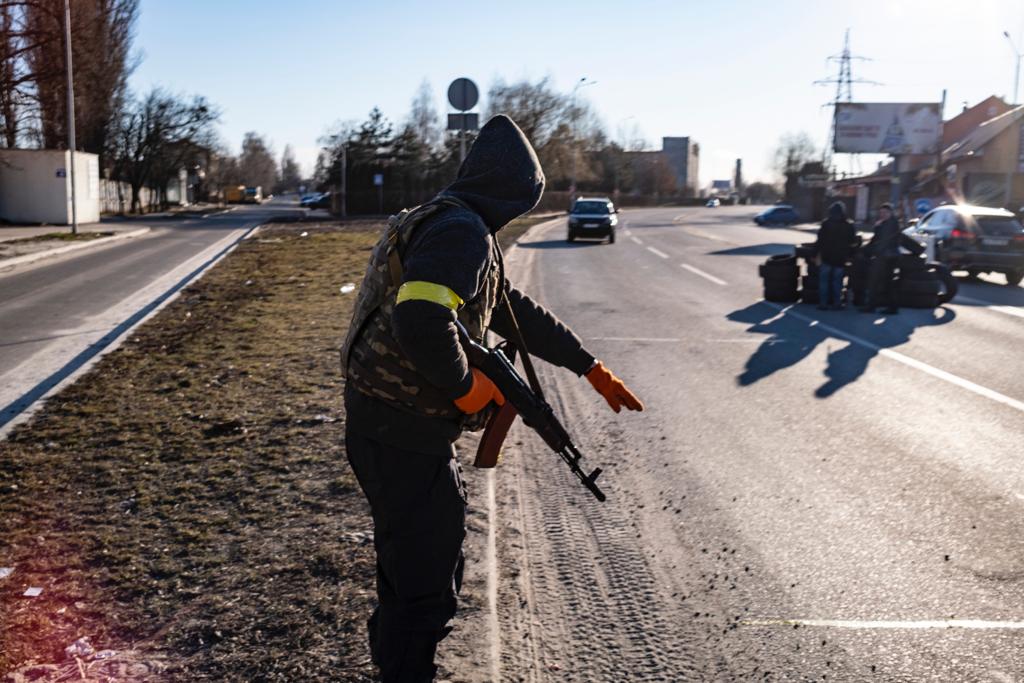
1008, 310
888, 624
706, 276
635, 239
907, 360
492, 579
657, 252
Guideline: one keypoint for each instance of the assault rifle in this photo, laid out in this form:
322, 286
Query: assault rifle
497, 364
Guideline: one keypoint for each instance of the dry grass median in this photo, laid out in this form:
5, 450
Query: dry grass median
187, 502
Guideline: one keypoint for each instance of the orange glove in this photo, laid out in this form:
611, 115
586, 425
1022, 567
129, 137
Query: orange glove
612, 388
480, 394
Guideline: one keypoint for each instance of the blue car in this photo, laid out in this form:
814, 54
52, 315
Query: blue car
780, 214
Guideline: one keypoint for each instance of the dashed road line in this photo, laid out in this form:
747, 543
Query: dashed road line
706, 276
888, 624
657, 252
635, 239
907, 360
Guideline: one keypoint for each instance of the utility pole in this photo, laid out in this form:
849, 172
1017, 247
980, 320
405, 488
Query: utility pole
71, 116
1016, 74
843, 81
575, 133
344, 181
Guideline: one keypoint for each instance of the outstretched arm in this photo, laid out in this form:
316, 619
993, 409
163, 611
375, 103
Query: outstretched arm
549, 338
546, 336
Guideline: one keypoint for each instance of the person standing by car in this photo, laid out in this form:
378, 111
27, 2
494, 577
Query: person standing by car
837, 239
884, 251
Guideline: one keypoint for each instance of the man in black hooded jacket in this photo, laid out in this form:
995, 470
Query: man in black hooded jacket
837, 239
410, 390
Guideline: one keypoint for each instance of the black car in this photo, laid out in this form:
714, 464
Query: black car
780, 214
593, 217
973, 238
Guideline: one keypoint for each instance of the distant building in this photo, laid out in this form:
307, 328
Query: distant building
683, 156
721, 187
672, 170
35, 186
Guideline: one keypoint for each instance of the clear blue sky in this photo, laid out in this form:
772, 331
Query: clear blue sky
733, 75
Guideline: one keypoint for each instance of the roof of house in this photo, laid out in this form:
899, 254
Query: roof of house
982, 135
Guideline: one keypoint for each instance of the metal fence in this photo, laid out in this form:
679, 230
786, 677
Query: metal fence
116, 197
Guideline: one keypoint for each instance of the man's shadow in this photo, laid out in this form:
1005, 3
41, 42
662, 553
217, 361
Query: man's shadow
795, 332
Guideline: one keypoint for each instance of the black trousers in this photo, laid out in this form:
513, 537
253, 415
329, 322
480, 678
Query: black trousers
881, 282
418, 502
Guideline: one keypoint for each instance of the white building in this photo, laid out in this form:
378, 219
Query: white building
35, 186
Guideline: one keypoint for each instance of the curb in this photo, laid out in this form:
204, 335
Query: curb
23, 408
39, 255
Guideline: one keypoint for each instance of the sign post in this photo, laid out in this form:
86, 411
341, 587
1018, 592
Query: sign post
378, 180
463, 96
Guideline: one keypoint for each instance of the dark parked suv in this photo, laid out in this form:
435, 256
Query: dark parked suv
593, 217
975, 239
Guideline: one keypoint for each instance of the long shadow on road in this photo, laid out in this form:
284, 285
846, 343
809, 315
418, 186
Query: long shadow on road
791, 339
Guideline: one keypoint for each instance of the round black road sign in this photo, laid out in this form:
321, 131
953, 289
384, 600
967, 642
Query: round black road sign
462, 94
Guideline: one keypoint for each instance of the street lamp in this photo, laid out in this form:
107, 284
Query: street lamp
583, 82
1016, 74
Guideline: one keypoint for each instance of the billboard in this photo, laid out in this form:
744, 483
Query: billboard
888, 128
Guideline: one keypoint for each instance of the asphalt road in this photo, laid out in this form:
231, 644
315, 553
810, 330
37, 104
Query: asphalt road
809, 494
53, 311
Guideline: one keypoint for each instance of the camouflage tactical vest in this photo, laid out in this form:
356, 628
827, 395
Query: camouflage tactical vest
371, 359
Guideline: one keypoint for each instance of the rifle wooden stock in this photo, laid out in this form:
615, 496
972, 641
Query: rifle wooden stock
521, 399
488, 453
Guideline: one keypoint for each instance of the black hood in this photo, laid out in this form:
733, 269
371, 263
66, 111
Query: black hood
500, 178
837, 211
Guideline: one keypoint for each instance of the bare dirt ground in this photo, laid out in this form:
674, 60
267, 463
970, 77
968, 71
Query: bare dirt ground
187, 504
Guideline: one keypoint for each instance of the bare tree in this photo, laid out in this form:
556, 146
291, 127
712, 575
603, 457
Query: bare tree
256, 163
291, 176
763, 193
423, 118
32, 63
793, 151
158, 135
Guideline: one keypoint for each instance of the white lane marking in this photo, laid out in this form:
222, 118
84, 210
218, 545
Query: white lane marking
657, 252
707, 236
1008, 310
492, 579
629, 233
637, 339
887, 624
907, 360
706, 276
635, 239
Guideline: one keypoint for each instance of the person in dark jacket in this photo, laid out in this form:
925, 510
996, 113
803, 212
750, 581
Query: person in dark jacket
884, 250
837, 239
410, 391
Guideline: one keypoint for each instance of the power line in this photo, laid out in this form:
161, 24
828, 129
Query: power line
843, 81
